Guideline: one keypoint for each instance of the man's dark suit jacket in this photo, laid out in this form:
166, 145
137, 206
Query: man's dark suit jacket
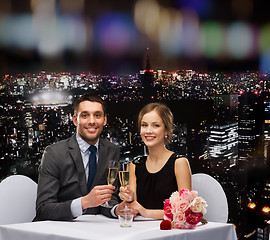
62, 179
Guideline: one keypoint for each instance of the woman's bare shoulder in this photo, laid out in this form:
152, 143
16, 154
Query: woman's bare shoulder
180, 161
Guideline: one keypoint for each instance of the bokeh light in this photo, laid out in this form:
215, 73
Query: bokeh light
147, 17
184, 30
240, 40
45, 9
264, 38
114, 33
179, 33
212, 39
74, 33
191, 26
251, 205
17, 31
50, 41
264, 62
171, 32
266, 209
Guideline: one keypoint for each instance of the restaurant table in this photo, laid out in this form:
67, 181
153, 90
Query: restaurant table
99, 227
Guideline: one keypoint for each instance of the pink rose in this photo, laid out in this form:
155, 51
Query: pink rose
187, 194
174, 199
192, 217
178, 220
193, 195
182, 205
168, 210
184, 193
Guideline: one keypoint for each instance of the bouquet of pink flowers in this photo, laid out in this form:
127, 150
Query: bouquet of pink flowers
185, 209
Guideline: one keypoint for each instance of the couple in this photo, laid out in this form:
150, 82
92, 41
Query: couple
64, 189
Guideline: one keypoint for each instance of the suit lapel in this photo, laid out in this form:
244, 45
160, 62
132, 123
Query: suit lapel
77, 158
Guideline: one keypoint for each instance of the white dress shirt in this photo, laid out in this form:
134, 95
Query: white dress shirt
76, 204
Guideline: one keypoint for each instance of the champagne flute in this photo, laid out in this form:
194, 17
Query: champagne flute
124, 177
112, 175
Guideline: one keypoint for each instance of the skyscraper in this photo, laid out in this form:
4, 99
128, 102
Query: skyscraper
248, 120
147, 78
223, 142
266, 126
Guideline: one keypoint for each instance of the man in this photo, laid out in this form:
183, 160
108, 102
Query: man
63, 173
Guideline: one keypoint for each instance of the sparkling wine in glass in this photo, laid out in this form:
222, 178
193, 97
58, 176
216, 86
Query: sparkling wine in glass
111, 177
124, 176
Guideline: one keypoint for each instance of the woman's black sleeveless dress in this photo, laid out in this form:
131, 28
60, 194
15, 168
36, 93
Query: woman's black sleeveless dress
154, 188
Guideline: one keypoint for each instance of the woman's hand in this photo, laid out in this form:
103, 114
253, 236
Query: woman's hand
146, 213
136, 206
126, 194
121, 207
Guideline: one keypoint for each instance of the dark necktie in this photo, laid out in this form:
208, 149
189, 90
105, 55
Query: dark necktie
92, 165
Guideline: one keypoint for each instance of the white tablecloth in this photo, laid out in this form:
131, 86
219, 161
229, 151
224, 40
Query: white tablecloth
100, 227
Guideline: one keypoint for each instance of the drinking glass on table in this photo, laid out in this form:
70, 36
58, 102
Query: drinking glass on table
124, 176
112, 175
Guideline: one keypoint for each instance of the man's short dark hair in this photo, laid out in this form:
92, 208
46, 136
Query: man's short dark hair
89, 97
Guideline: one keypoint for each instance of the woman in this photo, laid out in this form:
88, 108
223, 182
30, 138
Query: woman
153, 178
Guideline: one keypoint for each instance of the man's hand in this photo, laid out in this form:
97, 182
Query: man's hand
121, 206
98, 195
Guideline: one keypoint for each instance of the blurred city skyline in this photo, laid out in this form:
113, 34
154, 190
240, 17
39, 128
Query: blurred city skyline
112, 36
